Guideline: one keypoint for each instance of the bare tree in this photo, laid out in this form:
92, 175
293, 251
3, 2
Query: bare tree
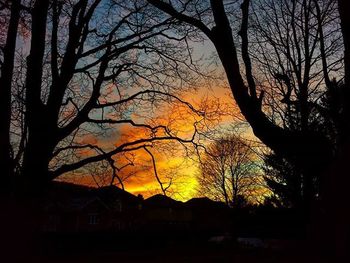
295, 65
228, 171
87, 69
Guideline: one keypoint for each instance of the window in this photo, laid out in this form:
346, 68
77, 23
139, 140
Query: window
93, 219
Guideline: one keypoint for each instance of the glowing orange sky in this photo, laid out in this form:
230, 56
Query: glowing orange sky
182, 169
184, 185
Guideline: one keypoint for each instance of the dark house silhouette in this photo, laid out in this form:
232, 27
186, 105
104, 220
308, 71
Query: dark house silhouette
163, 213
75, 208
71, 208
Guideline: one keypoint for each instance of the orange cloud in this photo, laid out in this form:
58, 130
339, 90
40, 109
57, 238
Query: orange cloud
172, 163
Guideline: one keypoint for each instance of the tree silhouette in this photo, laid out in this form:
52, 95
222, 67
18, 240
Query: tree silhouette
7, 67
228, 171
307, 148
87, 68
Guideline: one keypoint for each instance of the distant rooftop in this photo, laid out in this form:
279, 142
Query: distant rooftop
160, 200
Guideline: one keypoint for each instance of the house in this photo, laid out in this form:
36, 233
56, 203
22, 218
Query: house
84, 214
164, 213
73, 208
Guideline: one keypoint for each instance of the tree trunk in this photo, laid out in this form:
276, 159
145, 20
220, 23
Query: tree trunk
37, 153
344, 6
36, 158
5, 99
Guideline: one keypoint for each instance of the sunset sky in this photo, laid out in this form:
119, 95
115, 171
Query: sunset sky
172, 162
171, 159
175, 165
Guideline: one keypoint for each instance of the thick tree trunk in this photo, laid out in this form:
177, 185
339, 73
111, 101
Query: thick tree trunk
37, 152
344, 6
36, 158
5, 99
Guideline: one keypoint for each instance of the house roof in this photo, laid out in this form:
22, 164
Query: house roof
75, 197
112, 193
204, 203
160, 200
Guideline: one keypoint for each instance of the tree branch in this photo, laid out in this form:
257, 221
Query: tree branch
170, 10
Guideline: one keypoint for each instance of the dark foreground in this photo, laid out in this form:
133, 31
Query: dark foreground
187, 254
20, 242
180, 252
